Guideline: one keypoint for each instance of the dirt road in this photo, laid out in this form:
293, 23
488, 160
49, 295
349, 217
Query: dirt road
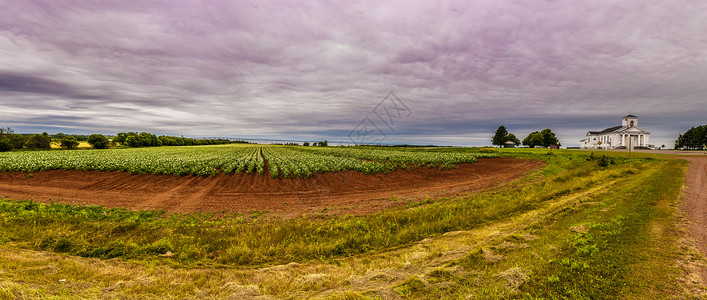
694, 203
330, 193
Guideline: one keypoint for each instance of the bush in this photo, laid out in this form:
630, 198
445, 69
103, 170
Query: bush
5, 145
605, 161
133, 141
17, 141
39, 141
98, 141
69, 142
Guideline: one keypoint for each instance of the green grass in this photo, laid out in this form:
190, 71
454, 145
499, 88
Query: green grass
605, 257
580, 228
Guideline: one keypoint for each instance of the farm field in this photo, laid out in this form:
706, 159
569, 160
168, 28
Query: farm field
282, 180
287, 161
345, 192
514, 223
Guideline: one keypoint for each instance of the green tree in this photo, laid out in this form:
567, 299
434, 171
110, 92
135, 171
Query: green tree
16, 140
69, 142
305, 144
679, 142
695, 138
5, 131
549, 138
39, 141
133, 141
512, 138
544, 138
98, 141
533, 139
500, 137
5, 145
120, 138
149, 140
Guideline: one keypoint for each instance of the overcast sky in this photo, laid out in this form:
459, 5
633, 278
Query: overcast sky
306, 70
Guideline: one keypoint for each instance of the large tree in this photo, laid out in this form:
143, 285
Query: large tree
5, 145
98, 141
549, 138
502, 136
533, 139
39, 141
695, 138
512, 138
544, 138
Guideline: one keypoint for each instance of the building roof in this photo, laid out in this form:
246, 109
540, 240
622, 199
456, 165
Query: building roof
610, 129
630, 116
618, 129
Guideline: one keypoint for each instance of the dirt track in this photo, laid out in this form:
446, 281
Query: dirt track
694, 203
343, 192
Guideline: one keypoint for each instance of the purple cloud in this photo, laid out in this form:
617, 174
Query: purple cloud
314, 70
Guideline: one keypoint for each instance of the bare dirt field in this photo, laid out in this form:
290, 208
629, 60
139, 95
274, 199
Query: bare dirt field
330, 193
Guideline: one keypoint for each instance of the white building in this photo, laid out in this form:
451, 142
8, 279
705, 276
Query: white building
618, 137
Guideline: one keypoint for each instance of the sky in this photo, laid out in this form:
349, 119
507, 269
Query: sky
419, 72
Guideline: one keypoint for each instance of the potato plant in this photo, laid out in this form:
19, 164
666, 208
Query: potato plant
285, 161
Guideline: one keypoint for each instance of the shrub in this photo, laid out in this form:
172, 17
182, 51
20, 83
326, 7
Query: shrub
5, 145
133, 141
39, 141
605, 161
69, 142
98, 141
17, 141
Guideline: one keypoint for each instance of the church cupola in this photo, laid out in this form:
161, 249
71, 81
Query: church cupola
629, 121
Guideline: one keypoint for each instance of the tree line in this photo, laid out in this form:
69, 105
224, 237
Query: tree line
544, 138
9, 140
145, 139
693, 139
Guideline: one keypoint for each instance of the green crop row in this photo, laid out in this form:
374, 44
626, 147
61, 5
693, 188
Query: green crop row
401, 157
194, 160
285, 161
294, 163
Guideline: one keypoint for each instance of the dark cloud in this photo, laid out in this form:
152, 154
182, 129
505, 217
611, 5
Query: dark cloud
314, 70
28, 84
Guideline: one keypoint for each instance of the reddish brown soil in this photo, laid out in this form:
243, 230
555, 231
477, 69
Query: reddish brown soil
694, 203
339, 193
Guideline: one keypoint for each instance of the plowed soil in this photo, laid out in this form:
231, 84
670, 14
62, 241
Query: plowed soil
330, 193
